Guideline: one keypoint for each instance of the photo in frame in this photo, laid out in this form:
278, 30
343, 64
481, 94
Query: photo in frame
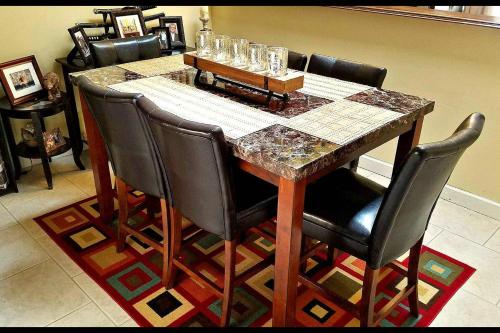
163, 37
175, 31
128, 23
22, 80
81, 41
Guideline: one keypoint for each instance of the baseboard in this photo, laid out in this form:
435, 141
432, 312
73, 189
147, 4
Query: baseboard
460, 197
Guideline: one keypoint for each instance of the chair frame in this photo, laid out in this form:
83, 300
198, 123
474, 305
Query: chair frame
365, 310
230, 279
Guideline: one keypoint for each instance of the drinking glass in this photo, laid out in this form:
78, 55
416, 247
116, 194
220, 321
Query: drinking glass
257, 57
277, 58
204, 43
220, 48
239, 50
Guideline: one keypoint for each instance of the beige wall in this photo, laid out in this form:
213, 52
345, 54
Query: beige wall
456, 65
42, 31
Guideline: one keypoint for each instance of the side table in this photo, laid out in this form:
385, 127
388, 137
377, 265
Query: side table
37, 111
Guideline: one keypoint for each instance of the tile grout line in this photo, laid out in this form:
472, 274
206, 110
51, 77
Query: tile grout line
102, 310
473, 241
29, 267
439, 233
64, 316
493, 234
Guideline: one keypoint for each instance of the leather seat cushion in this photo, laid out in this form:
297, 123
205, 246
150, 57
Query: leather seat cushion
340, 209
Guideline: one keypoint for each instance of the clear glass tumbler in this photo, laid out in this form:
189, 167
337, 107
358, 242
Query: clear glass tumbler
239, 51
277, 58
204, 43
257, 57
220, 48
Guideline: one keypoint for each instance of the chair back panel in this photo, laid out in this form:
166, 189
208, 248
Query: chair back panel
412, 195
296, 60
122, 50
126, 136
347, 70
196, 163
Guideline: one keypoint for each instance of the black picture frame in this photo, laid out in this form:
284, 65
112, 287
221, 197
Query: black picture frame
180, 41
81, 41
163, 37
139, 24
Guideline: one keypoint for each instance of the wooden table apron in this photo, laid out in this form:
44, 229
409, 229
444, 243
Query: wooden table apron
290, 205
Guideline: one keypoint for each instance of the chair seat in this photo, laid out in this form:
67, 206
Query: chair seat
256, 200
340, 210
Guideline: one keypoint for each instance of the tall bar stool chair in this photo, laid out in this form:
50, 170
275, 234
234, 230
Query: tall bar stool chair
211, 193
378, 225
297, 60
131, 152
348, 71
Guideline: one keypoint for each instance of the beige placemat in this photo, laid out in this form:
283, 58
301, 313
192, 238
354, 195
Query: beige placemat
341, 121
156, 66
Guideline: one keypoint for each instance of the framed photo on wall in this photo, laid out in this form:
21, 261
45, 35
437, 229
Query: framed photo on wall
128, 23
21, 79
163, 37
175, 31
81, 43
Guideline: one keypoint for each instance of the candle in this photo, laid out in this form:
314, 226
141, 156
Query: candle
204, 11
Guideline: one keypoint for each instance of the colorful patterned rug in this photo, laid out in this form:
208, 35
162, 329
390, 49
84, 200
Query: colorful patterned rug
132, 278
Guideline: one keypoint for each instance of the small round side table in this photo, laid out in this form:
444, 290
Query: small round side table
37, 111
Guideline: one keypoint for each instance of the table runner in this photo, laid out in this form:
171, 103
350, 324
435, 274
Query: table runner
331, 88
156, 66
235, 119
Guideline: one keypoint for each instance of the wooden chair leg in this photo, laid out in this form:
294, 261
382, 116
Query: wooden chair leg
166, 241
353, 165
305, 245
175, 246
413, 276
367, 310
121, 189
332, 255
152, 206
229, 272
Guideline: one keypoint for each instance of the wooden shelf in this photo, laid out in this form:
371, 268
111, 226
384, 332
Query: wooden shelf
281, 85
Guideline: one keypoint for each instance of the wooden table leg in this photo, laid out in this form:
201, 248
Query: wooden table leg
99, 161
407, 141
288, 239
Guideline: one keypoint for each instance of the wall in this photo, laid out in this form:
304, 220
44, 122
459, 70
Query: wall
42, 31
455, 65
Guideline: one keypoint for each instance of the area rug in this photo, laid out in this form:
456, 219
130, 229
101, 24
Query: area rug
132, 277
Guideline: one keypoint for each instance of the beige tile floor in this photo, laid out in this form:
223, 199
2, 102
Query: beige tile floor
41, 286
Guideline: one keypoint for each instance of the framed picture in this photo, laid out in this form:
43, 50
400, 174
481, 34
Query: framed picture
175, 31
81, 41
128, 23
163, 37
21, 80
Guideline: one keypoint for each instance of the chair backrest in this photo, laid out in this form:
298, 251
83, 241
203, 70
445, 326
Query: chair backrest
121, 50
414, 190
347, 70
126, 136
297, 60
196, 162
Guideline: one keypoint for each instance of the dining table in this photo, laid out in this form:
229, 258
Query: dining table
287, 142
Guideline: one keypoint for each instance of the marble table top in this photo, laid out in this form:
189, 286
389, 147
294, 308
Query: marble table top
318, 126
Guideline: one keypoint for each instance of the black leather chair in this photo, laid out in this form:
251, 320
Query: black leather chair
206, 189
378, 225
297, 60
130, 149
348, 71
121, 50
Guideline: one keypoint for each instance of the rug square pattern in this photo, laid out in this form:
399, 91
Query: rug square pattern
132, 277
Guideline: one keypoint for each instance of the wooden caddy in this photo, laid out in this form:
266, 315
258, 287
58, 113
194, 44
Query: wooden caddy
271, 86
